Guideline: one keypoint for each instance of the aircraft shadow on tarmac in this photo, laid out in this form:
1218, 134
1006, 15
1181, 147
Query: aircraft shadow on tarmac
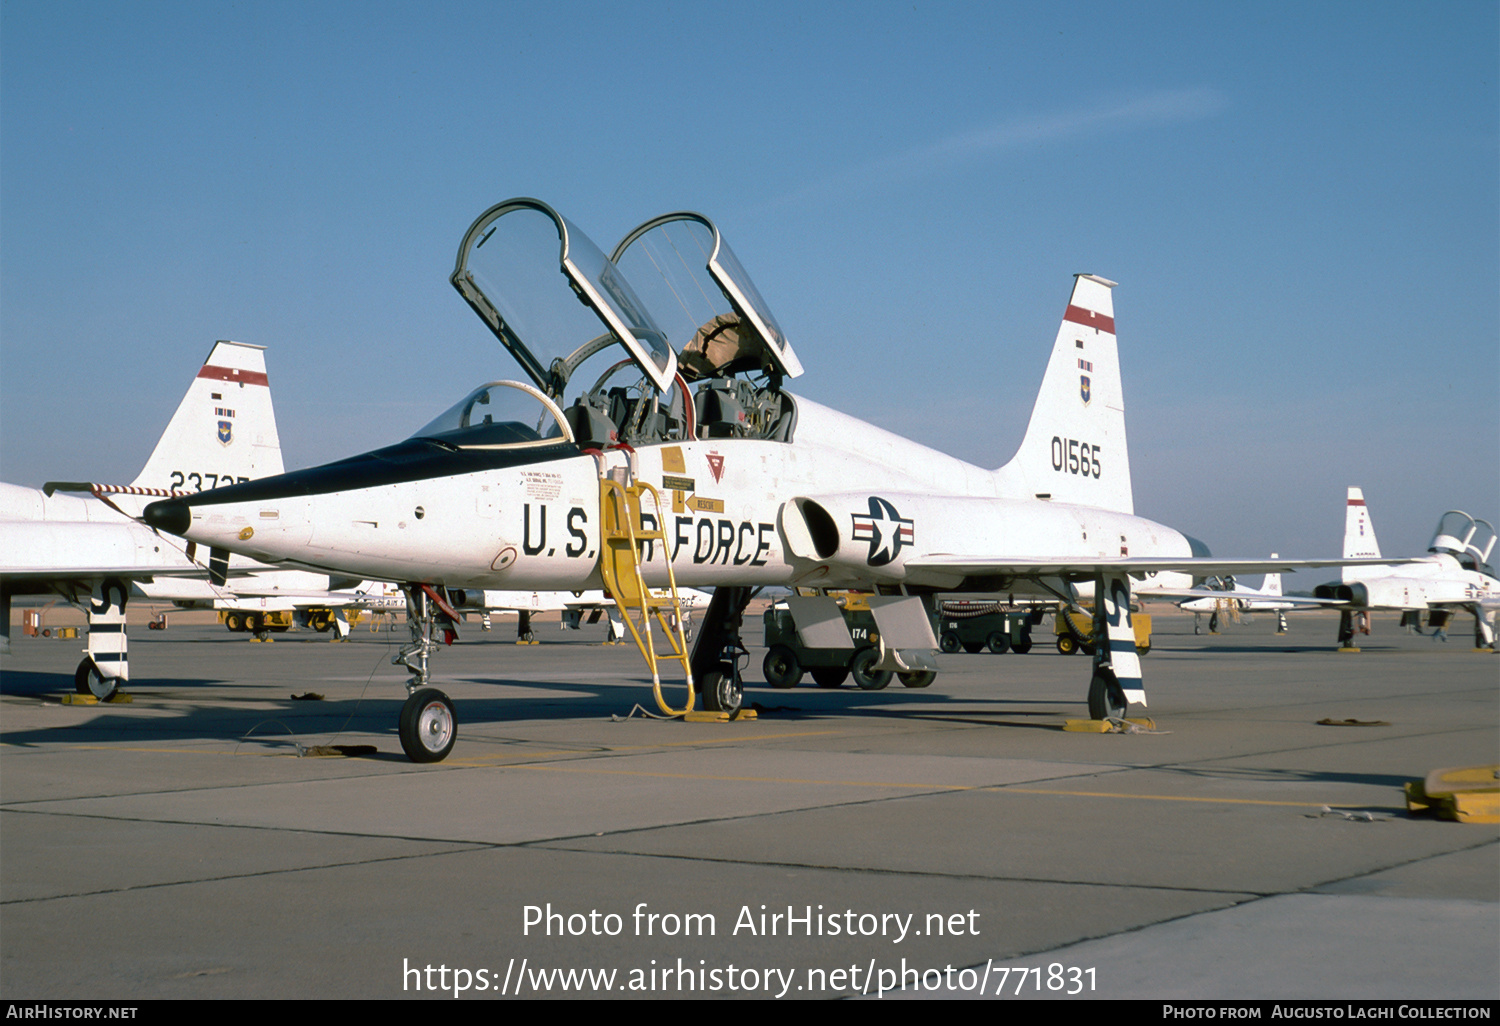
1311, 648
280, 720
1261, 774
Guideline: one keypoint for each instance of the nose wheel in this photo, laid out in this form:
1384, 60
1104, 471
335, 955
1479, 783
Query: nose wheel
428, 726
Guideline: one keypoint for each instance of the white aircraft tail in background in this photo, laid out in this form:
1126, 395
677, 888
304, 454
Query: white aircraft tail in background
1359, 534
1271, 585
223, 433
90, 550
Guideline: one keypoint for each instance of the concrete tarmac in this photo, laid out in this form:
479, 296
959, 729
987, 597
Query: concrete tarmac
846, 842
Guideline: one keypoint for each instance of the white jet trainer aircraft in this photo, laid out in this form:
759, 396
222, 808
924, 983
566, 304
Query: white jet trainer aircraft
1229, 595
1455, 575
736, 485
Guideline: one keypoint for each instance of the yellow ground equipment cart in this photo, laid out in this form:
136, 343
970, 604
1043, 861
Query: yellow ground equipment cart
1075, 632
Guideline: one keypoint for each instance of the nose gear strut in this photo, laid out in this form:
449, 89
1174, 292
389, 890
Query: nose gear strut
428, 725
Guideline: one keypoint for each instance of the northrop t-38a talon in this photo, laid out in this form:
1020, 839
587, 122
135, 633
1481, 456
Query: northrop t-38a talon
1454, 575
664, 451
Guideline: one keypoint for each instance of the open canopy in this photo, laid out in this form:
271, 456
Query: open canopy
702, 297
505, 272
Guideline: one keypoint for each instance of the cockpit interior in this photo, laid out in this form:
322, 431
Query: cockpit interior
689, 349
1466, 538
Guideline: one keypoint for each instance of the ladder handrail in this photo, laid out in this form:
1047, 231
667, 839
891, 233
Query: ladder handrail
616, 498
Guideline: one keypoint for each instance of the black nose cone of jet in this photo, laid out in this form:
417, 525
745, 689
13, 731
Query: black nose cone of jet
170, 515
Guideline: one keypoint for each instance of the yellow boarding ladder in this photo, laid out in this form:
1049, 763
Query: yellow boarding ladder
622, 537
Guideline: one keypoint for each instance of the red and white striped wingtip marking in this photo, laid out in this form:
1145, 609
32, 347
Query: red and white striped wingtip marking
100, 490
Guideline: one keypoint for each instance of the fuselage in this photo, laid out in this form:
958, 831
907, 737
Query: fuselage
47, 539
1435, 580
1245, 601
530, 518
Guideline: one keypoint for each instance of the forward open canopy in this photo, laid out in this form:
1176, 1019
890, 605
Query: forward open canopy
505, 272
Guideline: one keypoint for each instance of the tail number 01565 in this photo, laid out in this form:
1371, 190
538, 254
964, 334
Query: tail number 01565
1075, 457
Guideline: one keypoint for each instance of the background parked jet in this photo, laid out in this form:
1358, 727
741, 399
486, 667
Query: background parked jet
573, 607
1225, 596
253, 602
90, 550
1455, 575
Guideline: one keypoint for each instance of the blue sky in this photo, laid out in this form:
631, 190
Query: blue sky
1301, 204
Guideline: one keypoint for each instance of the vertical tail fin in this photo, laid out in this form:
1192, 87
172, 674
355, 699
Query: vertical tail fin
1074, 450
224, 431
1359, 533
1272, 584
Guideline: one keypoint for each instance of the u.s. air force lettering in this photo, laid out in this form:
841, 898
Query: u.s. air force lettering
578, 540
709, 539
717, 540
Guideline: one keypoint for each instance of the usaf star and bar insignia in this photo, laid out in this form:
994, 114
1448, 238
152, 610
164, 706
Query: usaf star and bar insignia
885, 529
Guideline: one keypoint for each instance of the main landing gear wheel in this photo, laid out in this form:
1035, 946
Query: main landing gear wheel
87, 680
428, 726
780, 668
716, 653
722, 692
830, 676
1106, 700
861, 669
918, 679
951, 643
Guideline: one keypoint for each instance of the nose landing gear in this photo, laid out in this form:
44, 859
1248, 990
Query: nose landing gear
428, 726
